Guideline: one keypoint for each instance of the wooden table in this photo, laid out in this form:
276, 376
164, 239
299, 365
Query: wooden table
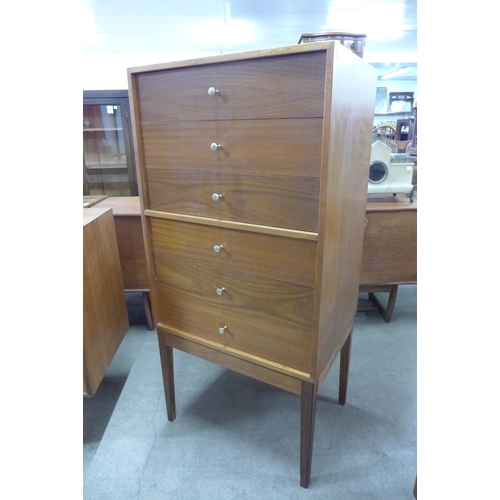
389, 249
105, 317
127, 215
90, 201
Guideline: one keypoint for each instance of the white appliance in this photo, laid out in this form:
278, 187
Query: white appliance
390, 173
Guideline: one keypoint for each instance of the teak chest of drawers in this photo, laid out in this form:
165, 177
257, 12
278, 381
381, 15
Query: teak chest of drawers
253, 172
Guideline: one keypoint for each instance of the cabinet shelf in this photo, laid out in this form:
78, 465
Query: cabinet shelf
101, 167
107, 129
406, 113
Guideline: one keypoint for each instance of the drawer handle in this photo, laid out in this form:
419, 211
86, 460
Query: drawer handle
216, 197
220, 290
222, 329
218, 248
214, 146
212, 91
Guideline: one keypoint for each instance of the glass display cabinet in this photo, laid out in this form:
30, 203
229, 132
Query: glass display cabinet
108, 155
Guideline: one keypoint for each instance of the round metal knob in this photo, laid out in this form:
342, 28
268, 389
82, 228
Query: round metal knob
214, 146
218, 248
212, 91
222, 329
220, 290
216, 197
353, 46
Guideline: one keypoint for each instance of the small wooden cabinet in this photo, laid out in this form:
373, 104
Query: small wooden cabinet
129, 234
253, 178
105, 317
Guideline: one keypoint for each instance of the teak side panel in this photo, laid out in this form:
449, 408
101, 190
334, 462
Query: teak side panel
346, 156
275, 257
284, 202
105, 317
272, 87
265, 147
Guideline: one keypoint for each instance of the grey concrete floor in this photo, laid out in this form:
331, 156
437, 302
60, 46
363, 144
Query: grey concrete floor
237, 438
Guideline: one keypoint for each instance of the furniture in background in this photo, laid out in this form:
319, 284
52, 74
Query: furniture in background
404, 129
253, 198
129, 234
353, 41
90, 201
105, 317
385, 131
389, 249
401, 101
108, 154
412, 147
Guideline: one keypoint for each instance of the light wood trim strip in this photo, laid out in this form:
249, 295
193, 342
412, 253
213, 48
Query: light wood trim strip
238, 365
286, 370
242, 226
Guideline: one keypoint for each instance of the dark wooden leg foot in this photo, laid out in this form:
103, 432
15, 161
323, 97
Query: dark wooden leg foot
167, 368
147, 309
345, 359
385, 312
307, 416
391, 302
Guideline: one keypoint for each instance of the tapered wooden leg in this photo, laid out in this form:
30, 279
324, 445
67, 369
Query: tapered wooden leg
307, 416
146, 300
167, 368
345, 359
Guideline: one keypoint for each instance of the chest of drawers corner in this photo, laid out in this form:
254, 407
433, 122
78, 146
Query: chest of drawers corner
253, 174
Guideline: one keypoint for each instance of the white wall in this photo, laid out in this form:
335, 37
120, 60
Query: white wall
109, 71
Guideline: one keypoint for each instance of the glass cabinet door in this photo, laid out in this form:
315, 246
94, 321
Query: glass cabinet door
108, 160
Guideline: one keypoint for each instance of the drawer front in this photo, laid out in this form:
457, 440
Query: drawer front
273, 147
285, 202
275, 87
275, 257
265, 318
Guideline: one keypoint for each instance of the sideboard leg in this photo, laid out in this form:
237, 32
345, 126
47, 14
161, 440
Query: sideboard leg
167, 368
385, 312
391, 302
146, 300
345, 360
307, 416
